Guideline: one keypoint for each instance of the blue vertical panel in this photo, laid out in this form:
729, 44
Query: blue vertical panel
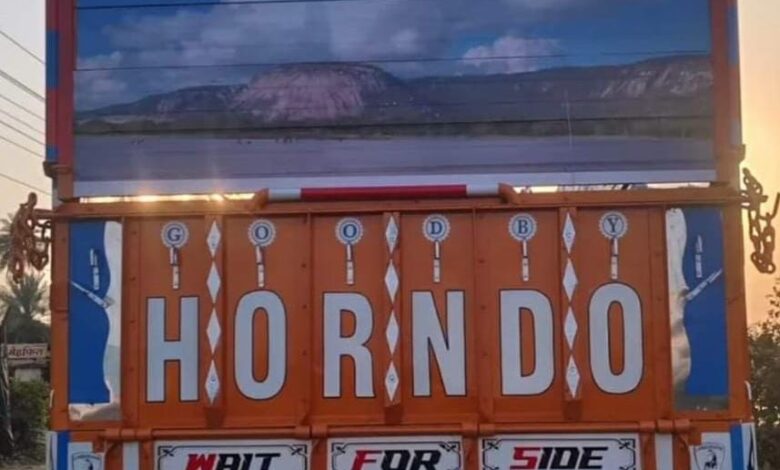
705, 309
52, 153
52, 59
737, 455
60, 459
88, 322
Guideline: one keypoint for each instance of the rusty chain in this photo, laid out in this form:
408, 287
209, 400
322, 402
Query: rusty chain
760, 229
30, 239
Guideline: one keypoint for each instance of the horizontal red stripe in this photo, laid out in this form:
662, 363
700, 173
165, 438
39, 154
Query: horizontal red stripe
383, 192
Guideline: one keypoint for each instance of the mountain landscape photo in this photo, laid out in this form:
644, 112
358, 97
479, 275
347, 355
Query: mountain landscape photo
204, 95
344, 99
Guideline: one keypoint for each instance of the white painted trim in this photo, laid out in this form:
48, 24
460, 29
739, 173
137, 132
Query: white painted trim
287, 185
130, 456
664, 451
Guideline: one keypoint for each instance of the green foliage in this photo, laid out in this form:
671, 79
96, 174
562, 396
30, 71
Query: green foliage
765, 380
26, 304
29, 415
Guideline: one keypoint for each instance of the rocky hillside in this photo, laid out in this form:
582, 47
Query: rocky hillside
358, 94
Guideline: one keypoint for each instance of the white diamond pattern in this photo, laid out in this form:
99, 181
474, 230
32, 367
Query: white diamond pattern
570, 328
213, 238
569, 233
391, 234
391, 381
391, 333
572, 377
212, 383
214, 282
569, 279
391, 281
213, 331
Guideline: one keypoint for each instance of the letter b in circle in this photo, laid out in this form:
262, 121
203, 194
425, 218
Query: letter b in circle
522, 227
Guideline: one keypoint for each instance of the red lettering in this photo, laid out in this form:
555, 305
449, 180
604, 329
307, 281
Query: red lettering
362, 458
524, 460
201, 461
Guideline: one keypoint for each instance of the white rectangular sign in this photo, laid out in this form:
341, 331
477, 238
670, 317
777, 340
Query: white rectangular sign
233, 455
396, 453
25, 352
561, 451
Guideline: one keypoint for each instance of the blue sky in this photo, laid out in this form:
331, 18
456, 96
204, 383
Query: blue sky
179, 46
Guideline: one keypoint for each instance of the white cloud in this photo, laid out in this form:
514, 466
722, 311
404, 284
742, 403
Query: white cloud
163, 43
510, 54
97, 86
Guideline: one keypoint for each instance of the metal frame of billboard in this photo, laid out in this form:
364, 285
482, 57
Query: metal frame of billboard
61, 55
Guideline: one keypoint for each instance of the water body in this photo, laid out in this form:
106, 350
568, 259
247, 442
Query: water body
153, 159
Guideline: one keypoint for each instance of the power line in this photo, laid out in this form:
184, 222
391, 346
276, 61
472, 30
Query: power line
22, 122
362, 61
379, 60
20, 132
20, 46
201, 4
23, 87
22, 147
28, 111
22, 183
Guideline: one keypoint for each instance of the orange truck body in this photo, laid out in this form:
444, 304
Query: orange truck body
372, 326
465, 333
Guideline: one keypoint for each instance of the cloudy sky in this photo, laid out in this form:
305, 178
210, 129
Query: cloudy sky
128, 49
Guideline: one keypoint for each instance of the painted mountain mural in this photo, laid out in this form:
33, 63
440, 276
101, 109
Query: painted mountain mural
667, 96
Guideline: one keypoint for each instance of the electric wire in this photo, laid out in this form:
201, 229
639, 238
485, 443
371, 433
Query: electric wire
22, 183
9, 115
22, 147
20, 46
21, 132
201, 4
14, 81
26, 110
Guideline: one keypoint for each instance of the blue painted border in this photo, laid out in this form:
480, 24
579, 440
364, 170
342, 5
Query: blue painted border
737, 453
63, 440
52, 60
52, 153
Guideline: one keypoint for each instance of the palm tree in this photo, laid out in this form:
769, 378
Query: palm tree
26, 304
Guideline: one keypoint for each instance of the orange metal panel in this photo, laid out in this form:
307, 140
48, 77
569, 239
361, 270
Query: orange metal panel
480, 264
